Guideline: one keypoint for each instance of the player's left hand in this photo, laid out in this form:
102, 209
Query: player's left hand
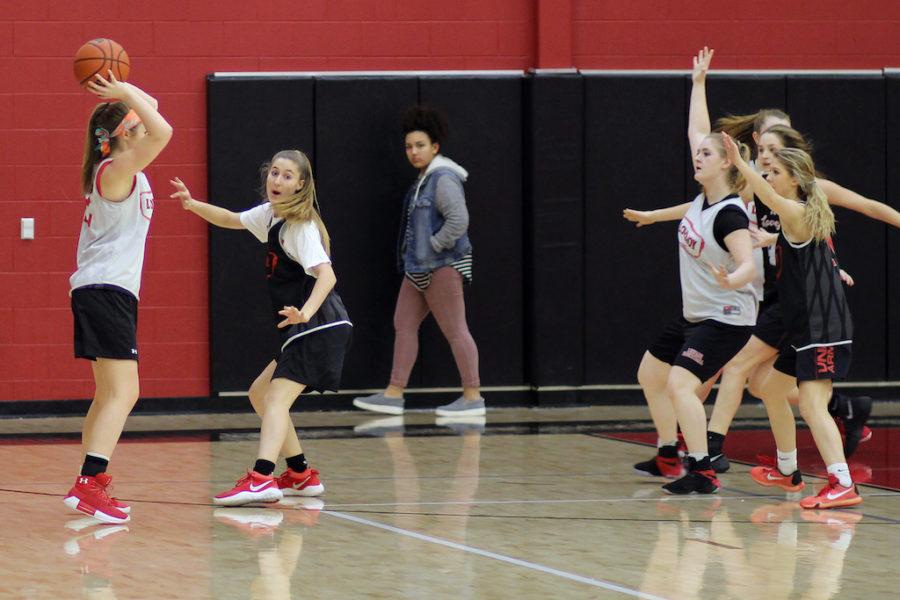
292, 315
845, 277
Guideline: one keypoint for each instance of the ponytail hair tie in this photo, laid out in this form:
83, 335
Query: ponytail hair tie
102, 136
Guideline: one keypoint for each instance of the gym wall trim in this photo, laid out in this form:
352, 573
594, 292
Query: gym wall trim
567, 294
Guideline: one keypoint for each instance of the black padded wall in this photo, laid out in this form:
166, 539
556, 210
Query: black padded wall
844, 116
249, 120
485, 119
892, 158
555, 223
362, 175
635, 156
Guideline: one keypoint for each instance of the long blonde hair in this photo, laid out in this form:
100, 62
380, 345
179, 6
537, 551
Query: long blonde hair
817, 216
302, 206
736, 180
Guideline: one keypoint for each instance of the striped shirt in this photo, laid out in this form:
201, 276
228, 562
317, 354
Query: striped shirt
421, 281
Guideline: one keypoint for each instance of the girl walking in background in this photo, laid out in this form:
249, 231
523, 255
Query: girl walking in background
435, 256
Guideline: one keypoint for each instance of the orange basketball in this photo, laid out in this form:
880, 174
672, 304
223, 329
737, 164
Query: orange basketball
99, 56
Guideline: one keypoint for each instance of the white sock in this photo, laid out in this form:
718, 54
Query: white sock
842, 472
660, 443
698, 456
787, 462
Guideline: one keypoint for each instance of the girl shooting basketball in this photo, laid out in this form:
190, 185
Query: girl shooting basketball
124, 135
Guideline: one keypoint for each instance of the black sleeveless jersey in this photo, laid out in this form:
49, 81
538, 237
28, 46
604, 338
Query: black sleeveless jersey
290, 285
811, 294
768, 220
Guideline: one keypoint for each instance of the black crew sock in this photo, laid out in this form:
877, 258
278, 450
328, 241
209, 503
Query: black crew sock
668, 451
264, 467
93, 465
715, 441
297, 463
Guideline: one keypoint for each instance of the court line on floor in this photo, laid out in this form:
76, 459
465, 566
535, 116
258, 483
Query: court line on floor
600, 583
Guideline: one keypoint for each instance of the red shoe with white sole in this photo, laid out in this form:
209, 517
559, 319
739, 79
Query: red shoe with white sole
304, 483
252, 487
89, 496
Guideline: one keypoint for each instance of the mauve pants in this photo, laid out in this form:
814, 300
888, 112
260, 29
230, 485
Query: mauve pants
444, 299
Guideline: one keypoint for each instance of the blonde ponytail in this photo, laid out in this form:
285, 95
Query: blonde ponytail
818, 217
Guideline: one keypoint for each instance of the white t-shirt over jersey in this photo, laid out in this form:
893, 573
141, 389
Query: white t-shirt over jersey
301, 241
701, 295
113, 234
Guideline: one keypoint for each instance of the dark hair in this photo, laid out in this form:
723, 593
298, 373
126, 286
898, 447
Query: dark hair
107, 115
427, 119
742, 127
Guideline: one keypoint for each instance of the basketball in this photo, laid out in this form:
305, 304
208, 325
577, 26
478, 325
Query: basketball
99, 56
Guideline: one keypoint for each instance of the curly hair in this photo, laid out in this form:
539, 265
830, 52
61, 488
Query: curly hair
426, 119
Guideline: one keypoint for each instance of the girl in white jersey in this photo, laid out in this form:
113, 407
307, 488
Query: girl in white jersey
124, 135
718, 274
315, 337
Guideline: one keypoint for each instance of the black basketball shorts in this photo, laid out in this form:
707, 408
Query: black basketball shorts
702, 348
105, 323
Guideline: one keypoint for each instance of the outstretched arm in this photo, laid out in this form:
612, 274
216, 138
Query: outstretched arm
216, 215
648, 217
841, 196
789, 212
698, 115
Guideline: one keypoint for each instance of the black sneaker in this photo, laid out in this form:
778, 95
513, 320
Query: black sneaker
695, 482
661, 466
858, 410
719, 463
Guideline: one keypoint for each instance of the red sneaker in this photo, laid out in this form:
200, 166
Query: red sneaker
305, 483
105, 480
771, 476
252, 487
865, 436
833, 495
89, 496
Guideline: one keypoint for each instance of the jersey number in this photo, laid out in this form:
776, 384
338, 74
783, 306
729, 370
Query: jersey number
88, 217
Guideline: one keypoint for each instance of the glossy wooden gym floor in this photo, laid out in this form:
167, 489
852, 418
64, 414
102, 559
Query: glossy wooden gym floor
540, 504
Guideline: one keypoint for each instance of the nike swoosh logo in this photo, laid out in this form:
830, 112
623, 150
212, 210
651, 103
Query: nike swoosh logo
299, 485
770, 478
256, 488
831, 496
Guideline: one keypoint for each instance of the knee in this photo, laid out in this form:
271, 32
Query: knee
808, 408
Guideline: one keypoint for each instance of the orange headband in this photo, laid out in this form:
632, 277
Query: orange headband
129, 121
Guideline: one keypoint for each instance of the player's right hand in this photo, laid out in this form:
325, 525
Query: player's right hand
638, 217
181, 193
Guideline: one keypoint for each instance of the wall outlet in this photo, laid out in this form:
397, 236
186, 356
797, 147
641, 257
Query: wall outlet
27, 228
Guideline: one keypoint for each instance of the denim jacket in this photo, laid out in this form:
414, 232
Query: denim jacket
421, 220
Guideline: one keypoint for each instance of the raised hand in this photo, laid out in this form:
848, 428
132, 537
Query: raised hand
731, 150
638, 217
701, 65
181, 193
108, 89
292, 315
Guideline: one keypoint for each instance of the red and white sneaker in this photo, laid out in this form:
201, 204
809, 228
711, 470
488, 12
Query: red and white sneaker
305, 483
89, 496
252, 487
771, 476
833, 495
105, 480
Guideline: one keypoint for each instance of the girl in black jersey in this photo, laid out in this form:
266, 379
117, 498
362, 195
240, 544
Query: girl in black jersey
315, 336
813, 306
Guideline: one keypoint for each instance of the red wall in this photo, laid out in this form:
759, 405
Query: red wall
174, 44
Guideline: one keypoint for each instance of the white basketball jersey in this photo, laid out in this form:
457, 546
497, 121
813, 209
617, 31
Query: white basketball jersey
702, 297
111, 245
